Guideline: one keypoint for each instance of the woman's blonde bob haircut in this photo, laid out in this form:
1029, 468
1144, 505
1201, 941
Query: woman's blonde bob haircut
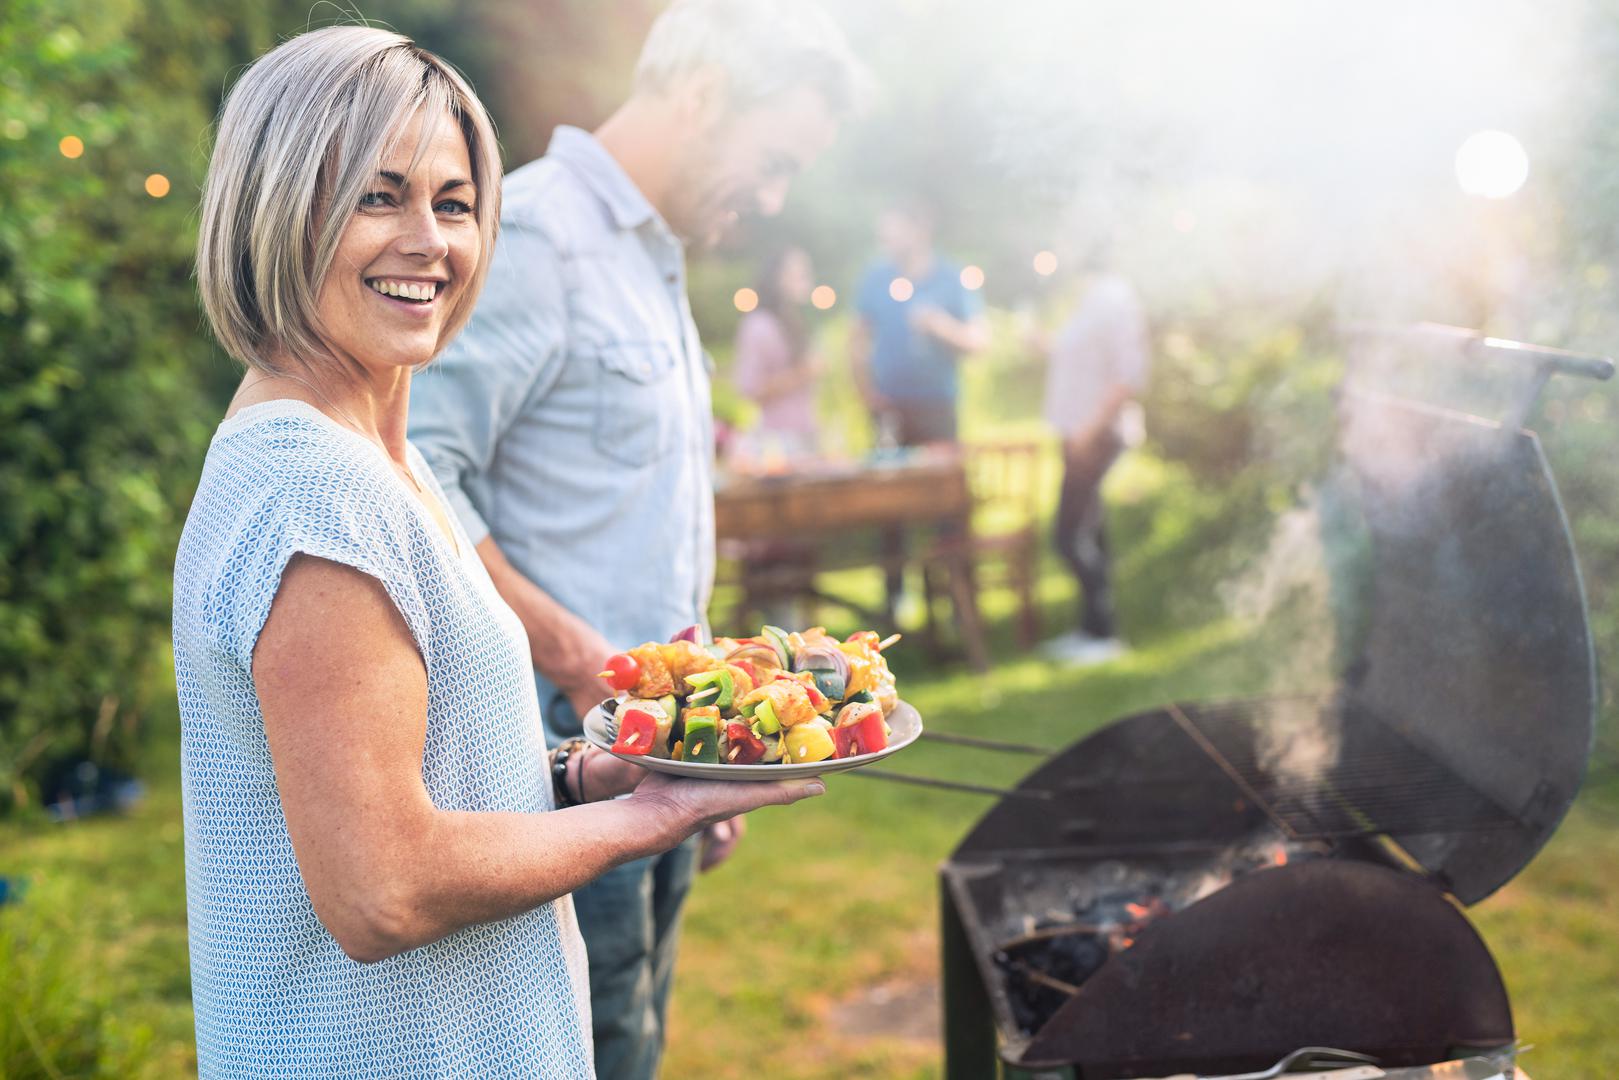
300, 140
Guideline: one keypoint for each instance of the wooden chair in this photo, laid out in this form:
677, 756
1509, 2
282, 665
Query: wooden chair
1003, 546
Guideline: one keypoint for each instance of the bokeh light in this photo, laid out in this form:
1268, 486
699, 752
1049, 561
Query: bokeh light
1045, 263
1492, 164
901, 289
745, 300
972, 277
157, 185
71, 146
823, 297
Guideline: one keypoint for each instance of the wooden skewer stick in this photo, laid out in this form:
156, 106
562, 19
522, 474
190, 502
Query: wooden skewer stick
1052, 932
710, 691
1035, 975
887, 641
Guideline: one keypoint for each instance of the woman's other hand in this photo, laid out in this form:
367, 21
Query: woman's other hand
602, 775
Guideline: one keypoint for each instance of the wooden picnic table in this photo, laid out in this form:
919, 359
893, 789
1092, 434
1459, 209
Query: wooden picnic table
822, 504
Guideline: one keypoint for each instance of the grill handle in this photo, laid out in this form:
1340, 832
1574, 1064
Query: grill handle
1543, 360
1548, 360
1553, 361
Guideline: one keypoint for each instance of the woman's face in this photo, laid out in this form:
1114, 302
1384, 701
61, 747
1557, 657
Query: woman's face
408, 251
797, 277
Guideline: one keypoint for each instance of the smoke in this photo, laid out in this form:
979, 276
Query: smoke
1266, 149
1288, 596
1276, 149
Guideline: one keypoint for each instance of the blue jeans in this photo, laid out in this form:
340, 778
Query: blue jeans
630, 918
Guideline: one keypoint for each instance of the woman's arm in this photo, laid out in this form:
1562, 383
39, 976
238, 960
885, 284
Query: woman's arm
344, 695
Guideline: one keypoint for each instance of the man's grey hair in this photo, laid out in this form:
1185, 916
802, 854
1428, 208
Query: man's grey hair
300, 140
764, 47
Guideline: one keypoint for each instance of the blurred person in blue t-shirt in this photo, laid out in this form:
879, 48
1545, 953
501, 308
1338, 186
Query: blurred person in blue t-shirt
917, 323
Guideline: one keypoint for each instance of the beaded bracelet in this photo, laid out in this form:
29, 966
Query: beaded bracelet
559, 772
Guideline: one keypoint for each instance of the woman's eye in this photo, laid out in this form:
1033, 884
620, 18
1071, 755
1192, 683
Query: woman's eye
454, 206
371, 200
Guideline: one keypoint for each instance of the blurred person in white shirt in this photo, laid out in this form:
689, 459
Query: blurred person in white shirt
1097, 368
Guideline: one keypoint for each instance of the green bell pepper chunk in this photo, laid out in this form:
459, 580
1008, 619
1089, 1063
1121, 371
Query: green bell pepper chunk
720, 677
702, 740
764, 718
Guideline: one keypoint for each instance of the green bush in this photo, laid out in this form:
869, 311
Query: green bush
109, 385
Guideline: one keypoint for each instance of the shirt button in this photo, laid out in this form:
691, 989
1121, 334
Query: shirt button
671, 278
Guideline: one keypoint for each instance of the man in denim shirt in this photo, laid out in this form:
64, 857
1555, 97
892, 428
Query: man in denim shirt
570, 422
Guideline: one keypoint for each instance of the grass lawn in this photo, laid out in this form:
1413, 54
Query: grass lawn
813, 952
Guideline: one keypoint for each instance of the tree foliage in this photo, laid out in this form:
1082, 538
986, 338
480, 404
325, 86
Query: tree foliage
108, 385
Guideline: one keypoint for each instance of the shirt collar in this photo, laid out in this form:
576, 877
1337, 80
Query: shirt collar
579, 151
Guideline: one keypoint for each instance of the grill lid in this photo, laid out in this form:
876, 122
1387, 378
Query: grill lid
1463, 718
1476, 651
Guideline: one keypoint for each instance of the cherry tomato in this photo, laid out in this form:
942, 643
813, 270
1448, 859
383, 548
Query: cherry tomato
623, 671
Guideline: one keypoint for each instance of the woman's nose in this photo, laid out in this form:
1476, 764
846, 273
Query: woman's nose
422, 235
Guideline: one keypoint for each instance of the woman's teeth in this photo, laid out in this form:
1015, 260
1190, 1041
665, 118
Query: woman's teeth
406, 290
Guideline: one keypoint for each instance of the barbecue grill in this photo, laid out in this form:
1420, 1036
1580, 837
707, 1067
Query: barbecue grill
1172, 896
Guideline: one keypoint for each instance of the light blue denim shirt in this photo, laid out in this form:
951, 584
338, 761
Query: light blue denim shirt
571, 419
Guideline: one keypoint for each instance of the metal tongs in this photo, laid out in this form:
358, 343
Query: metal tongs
1308, 1059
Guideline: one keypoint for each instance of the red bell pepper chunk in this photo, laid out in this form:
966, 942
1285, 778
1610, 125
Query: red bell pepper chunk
865, 736
745, 748
817, 700
637, 731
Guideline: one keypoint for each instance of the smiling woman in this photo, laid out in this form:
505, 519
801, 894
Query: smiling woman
379, 848
312, 133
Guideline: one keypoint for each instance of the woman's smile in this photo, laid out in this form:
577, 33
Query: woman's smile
417, 296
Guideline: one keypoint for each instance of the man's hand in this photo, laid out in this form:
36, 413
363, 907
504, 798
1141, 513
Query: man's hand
719, 840
963, 336
574, 662
932, 320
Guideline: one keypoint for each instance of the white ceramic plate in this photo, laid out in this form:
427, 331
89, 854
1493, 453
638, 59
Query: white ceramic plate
905, 722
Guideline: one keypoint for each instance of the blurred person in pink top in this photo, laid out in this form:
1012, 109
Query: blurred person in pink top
776, 368
1097, 369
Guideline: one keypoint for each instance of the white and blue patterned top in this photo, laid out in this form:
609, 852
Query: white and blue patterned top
275, 995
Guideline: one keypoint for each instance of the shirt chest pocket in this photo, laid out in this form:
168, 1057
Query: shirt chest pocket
639, 402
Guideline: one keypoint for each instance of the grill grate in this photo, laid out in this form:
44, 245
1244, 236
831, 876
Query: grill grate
1321, 771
